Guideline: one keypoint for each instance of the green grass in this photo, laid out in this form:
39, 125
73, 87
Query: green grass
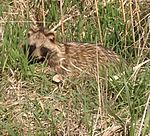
30, 104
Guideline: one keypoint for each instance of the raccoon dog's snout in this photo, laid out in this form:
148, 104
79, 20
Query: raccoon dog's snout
37, 54
42, 52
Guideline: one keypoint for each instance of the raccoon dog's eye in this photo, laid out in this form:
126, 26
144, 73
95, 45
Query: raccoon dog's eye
44, 51
32, 48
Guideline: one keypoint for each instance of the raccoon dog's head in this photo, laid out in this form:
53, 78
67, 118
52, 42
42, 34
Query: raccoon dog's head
40, 44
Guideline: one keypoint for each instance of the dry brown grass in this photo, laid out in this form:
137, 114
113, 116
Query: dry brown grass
35, 106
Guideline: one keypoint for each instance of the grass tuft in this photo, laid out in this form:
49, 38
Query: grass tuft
116, 104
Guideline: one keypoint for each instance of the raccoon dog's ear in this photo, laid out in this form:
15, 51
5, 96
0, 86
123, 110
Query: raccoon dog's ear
50, 35
32, 30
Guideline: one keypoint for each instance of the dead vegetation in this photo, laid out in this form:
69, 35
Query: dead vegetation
30, 104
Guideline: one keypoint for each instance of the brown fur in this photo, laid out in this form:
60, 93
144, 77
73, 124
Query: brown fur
68, 58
